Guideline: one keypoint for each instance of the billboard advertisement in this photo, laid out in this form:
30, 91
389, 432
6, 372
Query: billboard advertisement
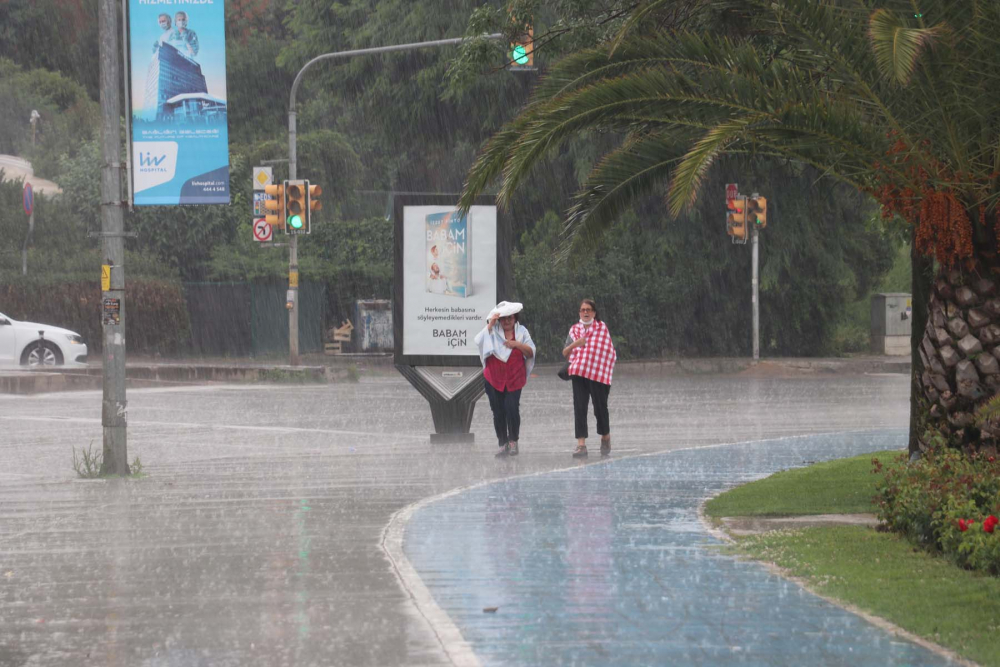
449, 274
180, 137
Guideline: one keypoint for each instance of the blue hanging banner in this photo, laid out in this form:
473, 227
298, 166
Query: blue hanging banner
180, 134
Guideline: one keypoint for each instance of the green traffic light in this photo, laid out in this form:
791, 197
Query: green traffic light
519, 54
295, 222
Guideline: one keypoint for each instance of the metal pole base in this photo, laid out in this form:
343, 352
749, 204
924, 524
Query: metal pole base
453, 438
452, 399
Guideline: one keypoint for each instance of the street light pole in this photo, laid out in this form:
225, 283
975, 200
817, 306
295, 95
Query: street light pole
755, 280
293, 251
114, 406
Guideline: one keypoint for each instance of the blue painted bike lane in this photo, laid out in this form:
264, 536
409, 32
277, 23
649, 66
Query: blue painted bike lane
609, 565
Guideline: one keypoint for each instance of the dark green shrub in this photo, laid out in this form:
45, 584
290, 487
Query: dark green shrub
155, 310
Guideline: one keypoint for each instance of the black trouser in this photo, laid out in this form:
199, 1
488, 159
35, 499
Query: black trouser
585, 390
506, 406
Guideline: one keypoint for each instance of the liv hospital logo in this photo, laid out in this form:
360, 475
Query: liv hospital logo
153, 163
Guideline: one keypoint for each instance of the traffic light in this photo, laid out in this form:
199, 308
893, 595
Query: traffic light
312, 196
296, 207
522, 51
276, 204
758, 211
736, 219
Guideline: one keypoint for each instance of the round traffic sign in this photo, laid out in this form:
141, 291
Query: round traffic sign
28, 198
261, 230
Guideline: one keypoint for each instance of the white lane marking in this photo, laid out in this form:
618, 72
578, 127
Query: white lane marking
442, 627
221, 427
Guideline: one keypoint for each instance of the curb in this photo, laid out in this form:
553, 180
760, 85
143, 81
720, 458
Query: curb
158, 375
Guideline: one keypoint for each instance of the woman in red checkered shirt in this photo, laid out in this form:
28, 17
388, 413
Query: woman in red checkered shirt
592, 357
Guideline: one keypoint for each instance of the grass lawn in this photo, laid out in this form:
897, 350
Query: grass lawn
845, 486
877, 572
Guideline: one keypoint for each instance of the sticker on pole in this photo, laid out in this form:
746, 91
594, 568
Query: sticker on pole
28, 198
261, 230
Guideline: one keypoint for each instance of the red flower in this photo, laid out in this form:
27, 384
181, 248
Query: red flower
963, 525
990, 523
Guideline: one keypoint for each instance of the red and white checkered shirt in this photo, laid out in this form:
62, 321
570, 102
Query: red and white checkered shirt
595, 360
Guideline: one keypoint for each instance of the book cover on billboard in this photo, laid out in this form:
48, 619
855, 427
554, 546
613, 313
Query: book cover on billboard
449, 254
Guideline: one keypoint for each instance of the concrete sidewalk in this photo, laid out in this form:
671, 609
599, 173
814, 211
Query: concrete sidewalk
256, 536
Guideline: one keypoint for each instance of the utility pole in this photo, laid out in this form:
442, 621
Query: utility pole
28, 196
756, 301
113, 406
745, 217
293, 259
293, 252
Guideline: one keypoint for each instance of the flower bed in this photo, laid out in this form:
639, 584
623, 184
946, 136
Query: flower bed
948, 502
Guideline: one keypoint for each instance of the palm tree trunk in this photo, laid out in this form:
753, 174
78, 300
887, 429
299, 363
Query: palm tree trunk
958, 355
921, 283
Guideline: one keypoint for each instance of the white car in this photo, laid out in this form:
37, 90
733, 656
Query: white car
33, 344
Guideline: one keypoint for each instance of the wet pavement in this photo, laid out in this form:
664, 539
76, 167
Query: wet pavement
610, 565
258, 536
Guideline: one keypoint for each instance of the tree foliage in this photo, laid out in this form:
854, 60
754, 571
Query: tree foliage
413, 121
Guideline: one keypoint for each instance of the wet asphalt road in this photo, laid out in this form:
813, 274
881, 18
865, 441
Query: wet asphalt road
256, 537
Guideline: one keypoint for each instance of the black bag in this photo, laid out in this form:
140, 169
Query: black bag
564, 372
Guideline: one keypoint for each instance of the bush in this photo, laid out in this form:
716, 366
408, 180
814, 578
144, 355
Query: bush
944, 502
971, 543
157, 317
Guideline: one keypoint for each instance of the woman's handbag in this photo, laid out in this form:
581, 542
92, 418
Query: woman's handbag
564, 372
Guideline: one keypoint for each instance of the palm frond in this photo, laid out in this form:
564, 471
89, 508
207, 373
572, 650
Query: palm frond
897, 46
637, 17
634, 170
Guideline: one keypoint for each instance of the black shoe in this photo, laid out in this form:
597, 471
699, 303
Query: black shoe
580, 453
504, 452
512, 449
606, 447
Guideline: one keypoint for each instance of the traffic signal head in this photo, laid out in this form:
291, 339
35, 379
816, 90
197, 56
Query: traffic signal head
296, 206
275, 206
313, 192
736, 218
758, 211
522, 51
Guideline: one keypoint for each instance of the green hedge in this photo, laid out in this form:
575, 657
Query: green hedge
157, 317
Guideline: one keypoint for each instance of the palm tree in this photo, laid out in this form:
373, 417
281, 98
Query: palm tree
895, 98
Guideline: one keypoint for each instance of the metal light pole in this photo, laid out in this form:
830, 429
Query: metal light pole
34, 118
114, 406
756, 305
293, 251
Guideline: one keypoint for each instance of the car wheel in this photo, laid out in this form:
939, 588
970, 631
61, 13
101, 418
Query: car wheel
41, 353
